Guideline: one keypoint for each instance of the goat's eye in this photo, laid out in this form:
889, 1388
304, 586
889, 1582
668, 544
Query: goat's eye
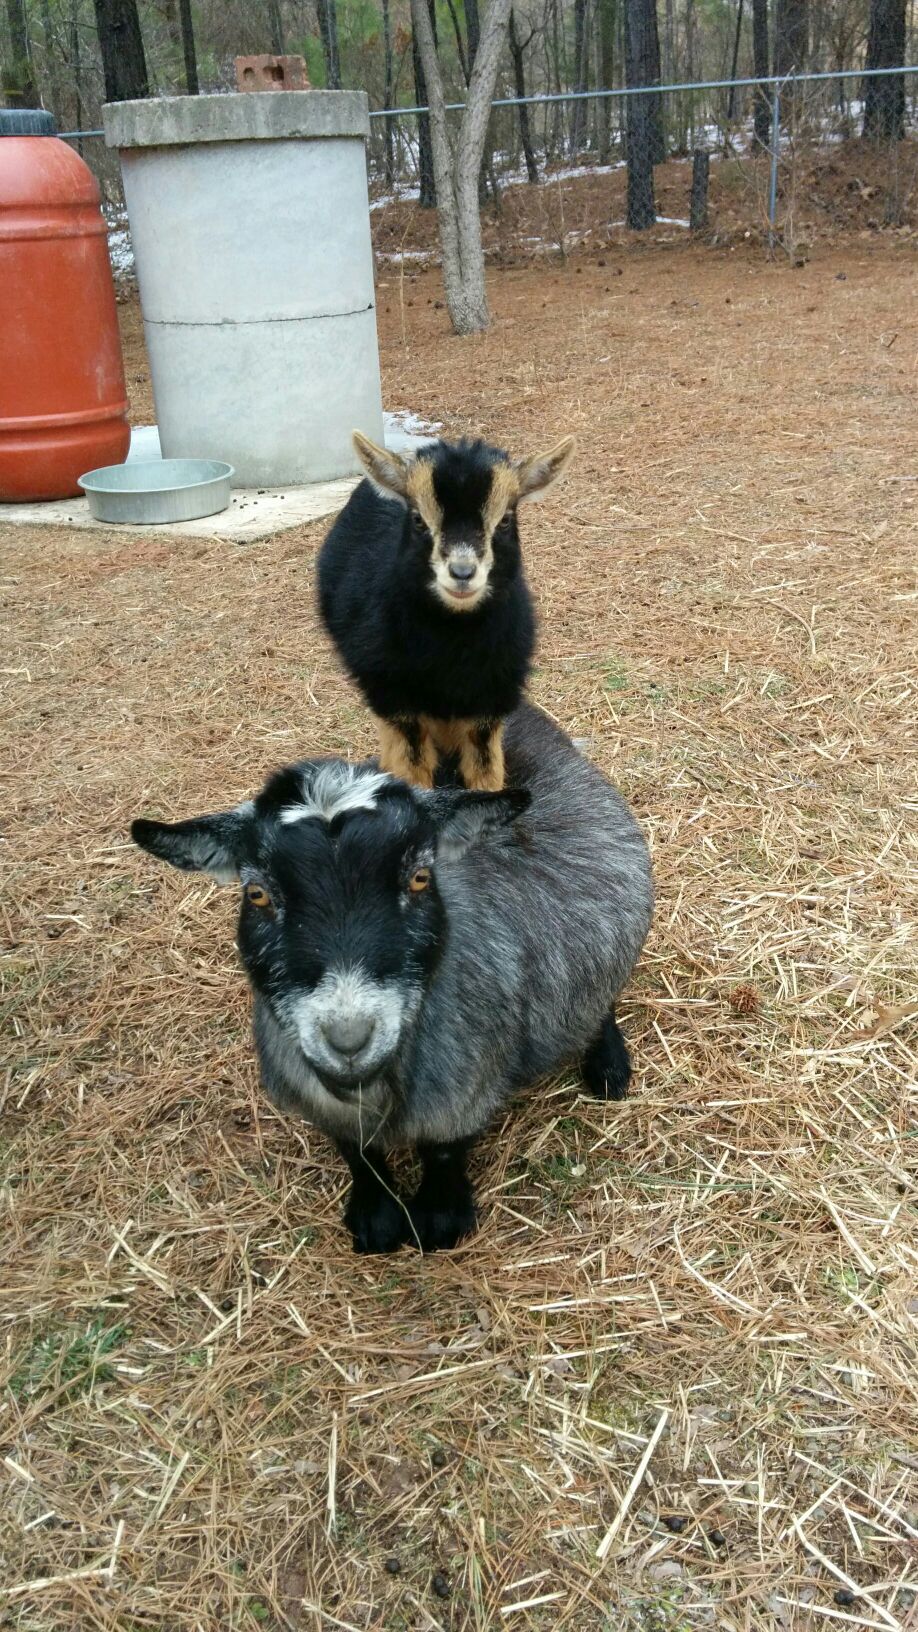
257, 896
505, 525
418, 522
419, 880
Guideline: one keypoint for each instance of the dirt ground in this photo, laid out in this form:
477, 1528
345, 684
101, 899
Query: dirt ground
215, 1415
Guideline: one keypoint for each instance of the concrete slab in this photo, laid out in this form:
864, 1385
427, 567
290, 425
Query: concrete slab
253, 512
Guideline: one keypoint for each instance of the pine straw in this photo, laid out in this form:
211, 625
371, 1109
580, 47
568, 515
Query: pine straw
216, 1415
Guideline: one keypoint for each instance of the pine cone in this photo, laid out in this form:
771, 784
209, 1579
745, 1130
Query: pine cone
744, 1000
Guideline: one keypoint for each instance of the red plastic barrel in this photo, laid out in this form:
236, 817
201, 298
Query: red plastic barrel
63, 404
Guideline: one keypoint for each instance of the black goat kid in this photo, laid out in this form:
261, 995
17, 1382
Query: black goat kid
422, 589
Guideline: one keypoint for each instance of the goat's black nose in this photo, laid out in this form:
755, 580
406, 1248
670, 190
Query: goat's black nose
348, 1035
462, 569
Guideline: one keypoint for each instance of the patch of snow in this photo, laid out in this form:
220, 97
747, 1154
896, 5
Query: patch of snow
400, 196
402, 419
396, 256
572, 172
120, 248
404, 431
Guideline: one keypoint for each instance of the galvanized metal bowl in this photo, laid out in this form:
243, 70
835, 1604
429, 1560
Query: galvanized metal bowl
159, 490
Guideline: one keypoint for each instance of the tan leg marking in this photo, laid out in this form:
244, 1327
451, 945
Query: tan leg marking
406, 750
479, 746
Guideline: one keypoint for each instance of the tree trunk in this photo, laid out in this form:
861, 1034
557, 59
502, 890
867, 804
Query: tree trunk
51, 63
790, 36
19, 79
327, 13
578, 109
188, 49
124, 65
731, 100
276, 28
76, 70
169, 10
643, 118
669, 43
607, 20
760, 69
388, 94
698, 208
486, 175
884, 99
519, 89
460, 43
458, 165
428, 187
557, 117
473, 29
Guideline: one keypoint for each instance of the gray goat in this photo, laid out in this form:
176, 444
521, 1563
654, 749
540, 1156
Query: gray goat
418, 955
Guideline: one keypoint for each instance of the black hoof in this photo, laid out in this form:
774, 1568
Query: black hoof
439, 1228
380, 1226
607, 1064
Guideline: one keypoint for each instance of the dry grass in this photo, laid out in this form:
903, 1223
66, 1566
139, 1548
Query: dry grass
216, 1416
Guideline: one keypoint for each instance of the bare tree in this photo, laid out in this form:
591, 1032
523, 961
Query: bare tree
581, 76
457, 163
188, 50
327, 13
19, 78
427, 184
124, 64
791, 35
731, 99
388, 93
642, 67
884, 99
276, 28
760, 63
517, 47
50, 59
607, 26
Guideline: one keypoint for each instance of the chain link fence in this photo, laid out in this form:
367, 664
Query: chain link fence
781, 161
777, 159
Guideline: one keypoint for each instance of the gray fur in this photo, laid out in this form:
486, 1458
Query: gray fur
545, 924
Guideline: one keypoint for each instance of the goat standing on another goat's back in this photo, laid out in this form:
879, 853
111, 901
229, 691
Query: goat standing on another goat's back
422, 590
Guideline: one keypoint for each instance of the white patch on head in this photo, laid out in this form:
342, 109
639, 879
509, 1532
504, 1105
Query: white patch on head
333, 790
344, 995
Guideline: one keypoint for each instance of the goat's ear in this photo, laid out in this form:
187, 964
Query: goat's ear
217, 845
387, 471
536, 474
463, 818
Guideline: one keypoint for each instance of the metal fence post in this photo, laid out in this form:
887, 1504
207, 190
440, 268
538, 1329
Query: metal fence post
773, 179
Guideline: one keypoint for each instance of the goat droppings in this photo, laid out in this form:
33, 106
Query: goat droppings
744, 1000
441, 1585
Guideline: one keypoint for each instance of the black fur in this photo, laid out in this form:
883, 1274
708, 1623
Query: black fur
408, 653
607, 1063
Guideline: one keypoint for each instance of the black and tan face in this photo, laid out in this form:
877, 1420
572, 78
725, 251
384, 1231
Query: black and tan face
462, 502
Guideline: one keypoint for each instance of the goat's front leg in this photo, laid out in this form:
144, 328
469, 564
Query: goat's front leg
377, 1220
481, 755
407, 750
443, 1208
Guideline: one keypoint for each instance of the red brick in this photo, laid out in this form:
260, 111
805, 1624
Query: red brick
272, 74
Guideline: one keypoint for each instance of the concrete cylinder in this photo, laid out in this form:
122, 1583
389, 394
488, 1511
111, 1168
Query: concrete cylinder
251, 232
